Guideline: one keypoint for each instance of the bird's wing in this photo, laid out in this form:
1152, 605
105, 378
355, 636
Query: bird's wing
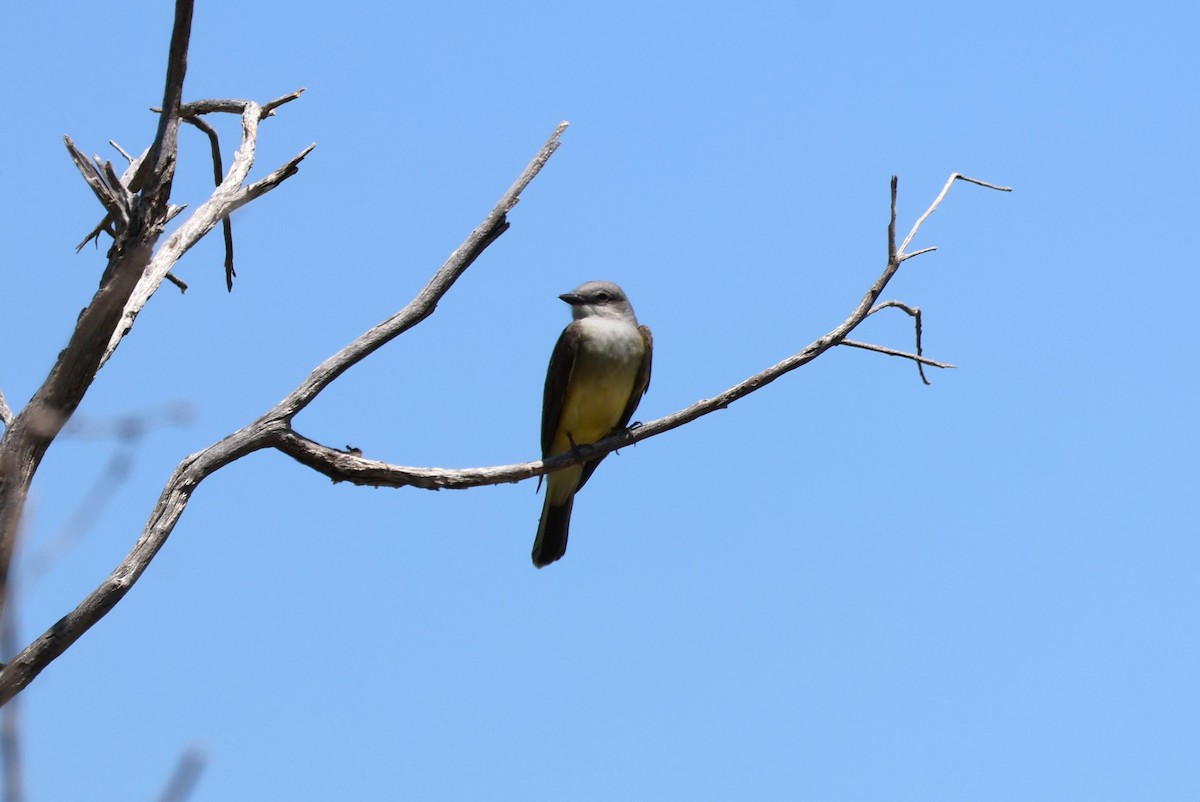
558, 376
642, 383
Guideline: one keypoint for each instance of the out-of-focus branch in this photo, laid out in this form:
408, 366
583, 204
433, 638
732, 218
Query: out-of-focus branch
12, 763
136, 228
127, 430
187, 772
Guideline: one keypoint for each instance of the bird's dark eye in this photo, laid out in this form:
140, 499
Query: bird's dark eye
603, 297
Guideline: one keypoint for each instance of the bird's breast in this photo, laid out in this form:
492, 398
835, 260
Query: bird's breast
617, 344
607, 364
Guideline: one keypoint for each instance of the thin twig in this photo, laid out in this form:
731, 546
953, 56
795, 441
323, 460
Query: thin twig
891, 229
214, 142
882, 349
121, 150
133, 178
178, 282
270, 106
95, 178
907, 256
938, 202
915, 313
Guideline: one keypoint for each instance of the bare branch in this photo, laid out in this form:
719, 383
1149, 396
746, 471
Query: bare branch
160, 161
214, 143
912, 311
178, 282
228, 196
121, 150
25, 441
920, 360
341, 466
229, 106
6, 414
915, 313
114, 199
908, 256
891, 231
273, 430
938, 202
352, 467
48, 646
260, 434
269, 107
273, 179
133, 178
422, 306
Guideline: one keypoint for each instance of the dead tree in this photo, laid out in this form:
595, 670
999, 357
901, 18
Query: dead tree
138, 208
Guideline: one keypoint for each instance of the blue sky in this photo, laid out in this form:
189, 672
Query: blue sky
849, 586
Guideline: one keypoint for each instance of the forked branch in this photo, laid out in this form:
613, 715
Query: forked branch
137, 209
264, 432
274, 429
136, 229
231, 193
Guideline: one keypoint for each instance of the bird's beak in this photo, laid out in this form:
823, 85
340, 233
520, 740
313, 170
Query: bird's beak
572, 298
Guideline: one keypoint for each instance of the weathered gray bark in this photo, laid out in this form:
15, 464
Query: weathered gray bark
138, 207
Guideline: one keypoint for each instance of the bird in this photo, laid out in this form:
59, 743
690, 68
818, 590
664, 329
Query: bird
599, 371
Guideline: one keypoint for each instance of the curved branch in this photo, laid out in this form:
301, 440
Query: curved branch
214, 146
343, 466
262, 433
274, 429
915, 313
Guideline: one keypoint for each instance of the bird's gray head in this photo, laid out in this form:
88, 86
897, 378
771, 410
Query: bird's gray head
599, 298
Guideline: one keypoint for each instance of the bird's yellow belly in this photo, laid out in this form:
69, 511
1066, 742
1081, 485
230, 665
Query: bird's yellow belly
591, 410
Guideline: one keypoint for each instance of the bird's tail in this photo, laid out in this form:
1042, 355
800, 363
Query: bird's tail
551, 541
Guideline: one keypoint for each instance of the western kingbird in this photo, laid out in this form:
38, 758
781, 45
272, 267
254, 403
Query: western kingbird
598, 373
